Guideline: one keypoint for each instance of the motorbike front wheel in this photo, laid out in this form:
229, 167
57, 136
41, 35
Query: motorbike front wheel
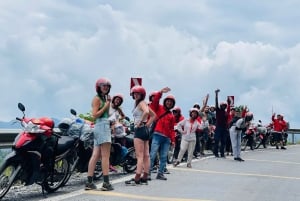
8, 173
57, 178
170, 156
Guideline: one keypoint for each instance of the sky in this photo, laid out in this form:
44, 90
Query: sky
53, 51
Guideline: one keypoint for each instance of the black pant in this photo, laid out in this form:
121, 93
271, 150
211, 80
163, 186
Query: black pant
220, 137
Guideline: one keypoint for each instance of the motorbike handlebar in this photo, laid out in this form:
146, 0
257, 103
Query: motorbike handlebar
18, 118
56, 135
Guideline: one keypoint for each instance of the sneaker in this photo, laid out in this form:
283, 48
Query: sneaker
107, 187
161, 176
277, 147
132, 182
144, 181
166, 171
283, 148
149, 177
239, 159
154, 170
90, 186
176, 163
189, 165
112, 169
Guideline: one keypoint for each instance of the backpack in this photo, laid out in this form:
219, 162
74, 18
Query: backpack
233, 121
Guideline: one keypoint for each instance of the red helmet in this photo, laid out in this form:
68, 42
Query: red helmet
100, 82
194, 110
117, 96
152, 94
178, 109
223, 103
249, 116
169, 97
138, 89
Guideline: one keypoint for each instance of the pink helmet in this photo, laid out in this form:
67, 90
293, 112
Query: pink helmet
138, 89
100, 82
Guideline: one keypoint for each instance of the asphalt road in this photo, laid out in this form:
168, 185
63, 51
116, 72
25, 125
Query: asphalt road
266, 175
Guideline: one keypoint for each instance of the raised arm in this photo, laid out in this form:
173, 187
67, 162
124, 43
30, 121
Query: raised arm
205, 100
217, 98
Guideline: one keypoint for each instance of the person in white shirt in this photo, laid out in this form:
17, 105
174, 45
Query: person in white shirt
236, 132
188, 128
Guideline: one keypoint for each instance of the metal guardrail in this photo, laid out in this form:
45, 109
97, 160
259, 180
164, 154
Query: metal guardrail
293, 132
7, 136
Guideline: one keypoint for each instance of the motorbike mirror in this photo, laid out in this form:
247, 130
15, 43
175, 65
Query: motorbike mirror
73, 112
21, 107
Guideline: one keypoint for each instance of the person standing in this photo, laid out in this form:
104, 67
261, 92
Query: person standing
164, 134
232, 114
178, 117
237, 125
143, 118
279, 127
102, 135
221, 131
188, 128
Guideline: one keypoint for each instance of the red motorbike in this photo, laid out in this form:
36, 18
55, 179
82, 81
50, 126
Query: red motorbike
248, 138
38, 156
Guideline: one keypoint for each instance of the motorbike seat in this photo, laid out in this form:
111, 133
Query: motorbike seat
64, 143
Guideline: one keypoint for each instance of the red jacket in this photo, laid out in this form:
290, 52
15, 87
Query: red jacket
165, 125
278, 124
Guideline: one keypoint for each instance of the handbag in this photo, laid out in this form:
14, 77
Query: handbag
153, 125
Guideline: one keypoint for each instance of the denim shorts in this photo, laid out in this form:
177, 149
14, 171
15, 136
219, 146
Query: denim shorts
102, 131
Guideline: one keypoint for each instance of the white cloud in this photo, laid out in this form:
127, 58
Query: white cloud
52, 53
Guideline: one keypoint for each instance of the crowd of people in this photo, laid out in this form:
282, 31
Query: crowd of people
159, 124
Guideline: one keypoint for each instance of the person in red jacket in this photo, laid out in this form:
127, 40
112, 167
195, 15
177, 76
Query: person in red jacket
279, 126
164, 134
221, 132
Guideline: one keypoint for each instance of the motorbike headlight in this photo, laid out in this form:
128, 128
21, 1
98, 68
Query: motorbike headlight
33, 128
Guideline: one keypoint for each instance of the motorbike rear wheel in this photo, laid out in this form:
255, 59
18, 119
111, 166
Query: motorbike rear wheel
130, 161
98, 171
8, 174
57, 178
244, 143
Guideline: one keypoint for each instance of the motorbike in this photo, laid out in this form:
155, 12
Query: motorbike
38, 156
261, 137
122, 149
248, 138
82, 132
272, 140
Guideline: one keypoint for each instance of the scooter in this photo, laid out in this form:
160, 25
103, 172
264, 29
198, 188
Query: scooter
82, 132
38, 156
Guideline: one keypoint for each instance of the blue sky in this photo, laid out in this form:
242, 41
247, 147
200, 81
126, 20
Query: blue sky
52, 52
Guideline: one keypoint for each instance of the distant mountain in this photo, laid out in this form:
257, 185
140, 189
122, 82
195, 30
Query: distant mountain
13, 124
10, 125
